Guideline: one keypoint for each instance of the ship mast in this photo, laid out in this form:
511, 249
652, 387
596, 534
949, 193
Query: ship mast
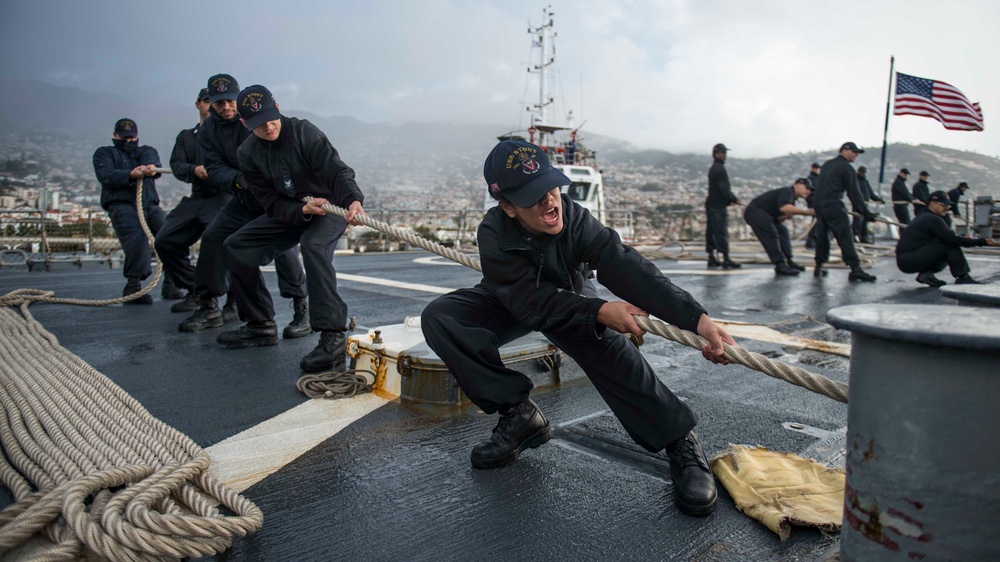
548, 57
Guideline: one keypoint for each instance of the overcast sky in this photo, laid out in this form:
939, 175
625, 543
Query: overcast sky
765, 77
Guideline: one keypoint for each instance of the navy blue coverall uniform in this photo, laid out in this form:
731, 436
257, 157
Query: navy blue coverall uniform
921, 192
545, 284
762, 215
189, 219
928, 244
219, 140
112, 164
720, 196
836, 177
901, 193
300, 162
868, 194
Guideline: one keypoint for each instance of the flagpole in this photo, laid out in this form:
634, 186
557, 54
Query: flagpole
885, 132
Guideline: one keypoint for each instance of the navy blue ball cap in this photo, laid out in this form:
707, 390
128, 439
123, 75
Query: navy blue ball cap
719, 148
202, 95
805, 181
222, 87
256, 106
940, 197
126, 128
520, 172
852, 147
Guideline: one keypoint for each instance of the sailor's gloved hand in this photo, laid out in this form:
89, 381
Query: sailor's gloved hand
870, 216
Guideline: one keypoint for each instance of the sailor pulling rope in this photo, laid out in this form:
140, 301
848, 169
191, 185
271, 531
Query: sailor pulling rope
795, 375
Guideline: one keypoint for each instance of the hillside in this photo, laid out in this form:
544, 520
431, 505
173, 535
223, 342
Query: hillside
63, 126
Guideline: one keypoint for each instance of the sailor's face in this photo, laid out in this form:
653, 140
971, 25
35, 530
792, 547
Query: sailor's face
226, 109
268, 130
545, 217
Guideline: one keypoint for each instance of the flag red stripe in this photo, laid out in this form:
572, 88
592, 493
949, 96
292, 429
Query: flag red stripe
947, 104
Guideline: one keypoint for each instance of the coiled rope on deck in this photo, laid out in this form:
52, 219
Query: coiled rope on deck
789, 373
88, 466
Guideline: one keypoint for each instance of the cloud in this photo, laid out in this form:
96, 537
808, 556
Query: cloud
767, 76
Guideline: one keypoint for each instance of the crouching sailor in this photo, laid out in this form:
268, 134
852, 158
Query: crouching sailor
537, 250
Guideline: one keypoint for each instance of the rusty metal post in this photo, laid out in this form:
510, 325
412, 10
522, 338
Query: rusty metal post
923, 441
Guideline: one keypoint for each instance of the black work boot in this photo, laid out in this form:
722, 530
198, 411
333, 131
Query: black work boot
819, 271
133, 285
858, 274
207, 315
730, 264
520, 426
966, 280
249, 335
694, 485
229, 311
189, 304
782, 268
794, 265
171, 291
712, 262
299, 326
330, 354
928, 278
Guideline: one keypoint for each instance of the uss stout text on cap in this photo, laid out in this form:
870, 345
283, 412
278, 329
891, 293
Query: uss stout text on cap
520, 172
256, 106
222, 87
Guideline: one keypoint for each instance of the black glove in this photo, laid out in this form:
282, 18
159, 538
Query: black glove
870, 216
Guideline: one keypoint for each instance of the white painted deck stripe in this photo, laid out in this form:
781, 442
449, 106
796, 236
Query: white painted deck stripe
391, 283
250, 456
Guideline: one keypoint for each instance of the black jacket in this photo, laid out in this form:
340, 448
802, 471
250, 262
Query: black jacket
720, 193
219, 140
955, 195
772, 201
301, 161
930, 228
867, 193
811, 198
900, 191
921, 192
539, 279
112, 167
836, 177
185, 157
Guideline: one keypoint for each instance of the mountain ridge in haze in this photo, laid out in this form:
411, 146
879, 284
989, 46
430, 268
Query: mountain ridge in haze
383, 151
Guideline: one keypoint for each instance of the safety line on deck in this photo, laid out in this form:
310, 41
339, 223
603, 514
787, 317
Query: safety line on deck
254, 454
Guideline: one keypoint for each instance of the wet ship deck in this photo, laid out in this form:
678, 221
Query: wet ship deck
386, 481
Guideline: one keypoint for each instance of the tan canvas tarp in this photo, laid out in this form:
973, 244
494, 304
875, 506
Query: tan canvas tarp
781, 489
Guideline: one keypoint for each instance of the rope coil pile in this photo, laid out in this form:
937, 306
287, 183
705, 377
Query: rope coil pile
89, 467
77, 438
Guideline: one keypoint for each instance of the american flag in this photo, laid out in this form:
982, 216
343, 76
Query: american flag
937, 100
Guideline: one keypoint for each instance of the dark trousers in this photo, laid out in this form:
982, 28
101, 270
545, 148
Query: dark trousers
467, 327
772, 234
211, 273
932, 258
182, 228
261, 240
833, 218
717, 230
902, 213
860, 227
135, 245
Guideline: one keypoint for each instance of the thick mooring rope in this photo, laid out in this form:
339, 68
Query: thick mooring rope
789, 373
88, 466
